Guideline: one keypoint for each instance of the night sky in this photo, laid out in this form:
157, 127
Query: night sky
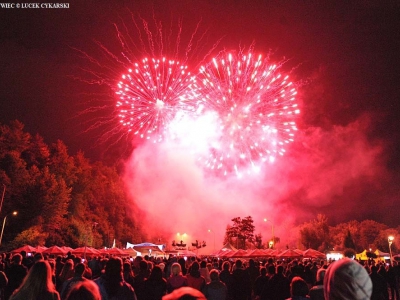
345, 161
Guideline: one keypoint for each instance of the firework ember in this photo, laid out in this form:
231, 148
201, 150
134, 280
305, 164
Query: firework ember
152, 94
256, 111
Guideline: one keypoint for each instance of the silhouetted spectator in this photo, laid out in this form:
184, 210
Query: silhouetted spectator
3, 284
279, 285
67, 272
182, 262
129, 277
185, 293
111, 283
261, 285
241, 285
194, 278
226, 277
176, 279
216, 289
140, 279
85, 290
317, 291
204, 271
379, 285
77, 278
298, 289
347, 279
15, 274
37, 284
155, 287
392, 280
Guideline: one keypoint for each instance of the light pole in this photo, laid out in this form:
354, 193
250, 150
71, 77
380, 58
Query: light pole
14, 213
390, 241
272, 243
2, 197
182, 236
209, 230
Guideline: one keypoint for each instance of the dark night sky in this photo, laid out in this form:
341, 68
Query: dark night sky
347, 54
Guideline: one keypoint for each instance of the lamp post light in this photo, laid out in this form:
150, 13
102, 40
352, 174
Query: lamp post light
14, 213
209, 230
271, 243
390, 241
182, 237
2, 196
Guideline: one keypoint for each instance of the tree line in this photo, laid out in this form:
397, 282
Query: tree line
60, 199
317, 234
67, 200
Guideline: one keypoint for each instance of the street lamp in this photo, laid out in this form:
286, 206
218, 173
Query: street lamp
14, 213
271, 243
2, 197
209, 230
390, 241
181, 236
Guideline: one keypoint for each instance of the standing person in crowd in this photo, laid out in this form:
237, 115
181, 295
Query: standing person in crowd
129, 277
204, 271
241, 284
176, 279
59, 264
85, 290
37, 284
111, 283
67, 272
77, 278
95, 265
347, 279
3, 284
182, 262
392, 279
308, 276
194, 278
314, 269
185, 293
226, 277
317, 291
298, 289
155, 287
162, 267
216, 289
140, 279
279, 285
254, 271
261, 285
15, 274
379, 285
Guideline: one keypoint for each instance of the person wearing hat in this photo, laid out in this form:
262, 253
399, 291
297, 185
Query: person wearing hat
346, 279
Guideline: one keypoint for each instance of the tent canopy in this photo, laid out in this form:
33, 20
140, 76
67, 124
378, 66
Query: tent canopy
290, 253
380, 253
311, 253
228, 246
26, 248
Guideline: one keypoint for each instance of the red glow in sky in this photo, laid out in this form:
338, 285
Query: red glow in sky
343, 161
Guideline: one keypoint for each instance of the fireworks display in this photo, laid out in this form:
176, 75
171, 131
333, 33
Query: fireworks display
152, 94
253, 107
256, 111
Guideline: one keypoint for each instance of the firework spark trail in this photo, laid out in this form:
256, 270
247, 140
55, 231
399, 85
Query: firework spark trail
152, 94
160, 52
256, 109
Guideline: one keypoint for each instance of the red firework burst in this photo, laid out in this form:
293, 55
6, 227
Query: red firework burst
256, 111
151, 95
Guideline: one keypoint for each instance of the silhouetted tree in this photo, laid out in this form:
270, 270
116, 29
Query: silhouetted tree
315, 234
348, 241
242, 230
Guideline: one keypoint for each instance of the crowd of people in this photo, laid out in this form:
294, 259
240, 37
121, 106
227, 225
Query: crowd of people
149, 278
